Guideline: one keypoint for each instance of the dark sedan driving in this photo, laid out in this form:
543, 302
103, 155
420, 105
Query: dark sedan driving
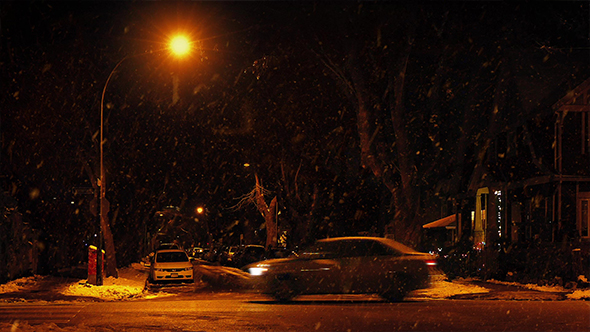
347, 265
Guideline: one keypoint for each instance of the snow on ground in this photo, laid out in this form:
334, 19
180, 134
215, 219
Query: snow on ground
131, 281
112, 289
578, 294
20, 284
442, 289
131, 285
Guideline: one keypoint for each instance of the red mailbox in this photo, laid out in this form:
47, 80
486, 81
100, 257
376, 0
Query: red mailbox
93, 264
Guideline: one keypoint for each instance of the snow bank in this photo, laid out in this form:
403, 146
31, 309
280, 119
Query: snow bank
21, 284
580, 294
110, 291
130, 284
546, 288
441, 289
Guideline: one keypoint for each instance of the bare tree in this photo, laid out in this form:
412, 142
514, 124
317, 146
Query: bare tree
268, 212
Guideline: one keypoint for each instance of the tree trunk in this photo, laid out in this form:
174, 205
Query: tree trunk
110, 253
271, 225
405, 197
359, 90
269, 214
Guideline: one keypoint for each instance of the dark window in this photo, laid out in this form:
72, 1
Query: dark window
355, 248
379, 249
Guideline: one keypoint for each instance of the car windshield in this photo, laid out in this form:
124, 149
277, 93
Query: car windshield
168, 257
350, 248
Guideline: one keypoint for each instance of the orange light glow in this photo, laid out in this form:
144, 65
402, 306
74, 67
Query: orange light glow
180, 45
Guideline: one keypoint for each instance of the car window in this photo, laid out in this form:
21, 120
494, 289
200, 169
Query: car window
167, 257
354, 248
365, 248
348, 248
163, 246
379, 249
321, 250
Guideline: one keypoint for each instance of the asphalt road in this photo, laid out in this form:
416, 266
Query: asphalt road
253, 312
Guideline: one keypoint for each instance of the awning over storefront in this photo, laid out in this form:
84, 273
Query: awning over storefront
448, 222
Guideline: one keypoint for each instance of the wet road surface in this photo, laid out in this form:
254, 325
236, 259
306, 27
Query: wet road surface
209, 311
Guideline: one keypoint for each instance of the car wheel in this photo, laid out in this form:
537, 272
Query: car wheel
397, 290
283, 288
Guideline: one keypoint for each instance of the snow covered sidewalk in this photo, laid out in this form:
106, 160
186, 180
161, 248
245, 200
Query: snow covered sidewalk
131, 284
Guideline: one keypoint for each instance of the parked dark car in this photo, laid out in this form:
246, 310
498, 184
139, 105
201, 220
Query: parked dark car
164, 246
248, 254
195, 252
226, 255
345, 265
280, 253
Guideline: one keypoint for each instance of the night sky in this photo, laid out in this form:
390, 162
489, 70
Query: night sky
266, 84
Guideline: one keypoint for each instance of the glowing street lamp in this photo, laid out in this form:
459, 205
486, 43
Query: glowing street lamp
179, 46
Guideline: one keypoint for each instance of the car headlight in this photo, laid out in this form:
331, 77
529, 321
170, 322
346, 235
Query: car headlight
257, 270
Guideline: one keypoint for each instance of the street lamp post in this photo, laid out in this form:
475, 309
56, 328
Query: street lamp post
104, 204
179, 46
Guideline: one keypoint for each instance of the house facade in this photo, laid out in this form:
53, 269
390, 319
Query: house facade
550, 205
536, 183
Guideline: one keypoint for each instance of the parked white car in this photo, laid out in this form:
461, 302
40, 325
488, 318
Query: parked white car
171, 265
